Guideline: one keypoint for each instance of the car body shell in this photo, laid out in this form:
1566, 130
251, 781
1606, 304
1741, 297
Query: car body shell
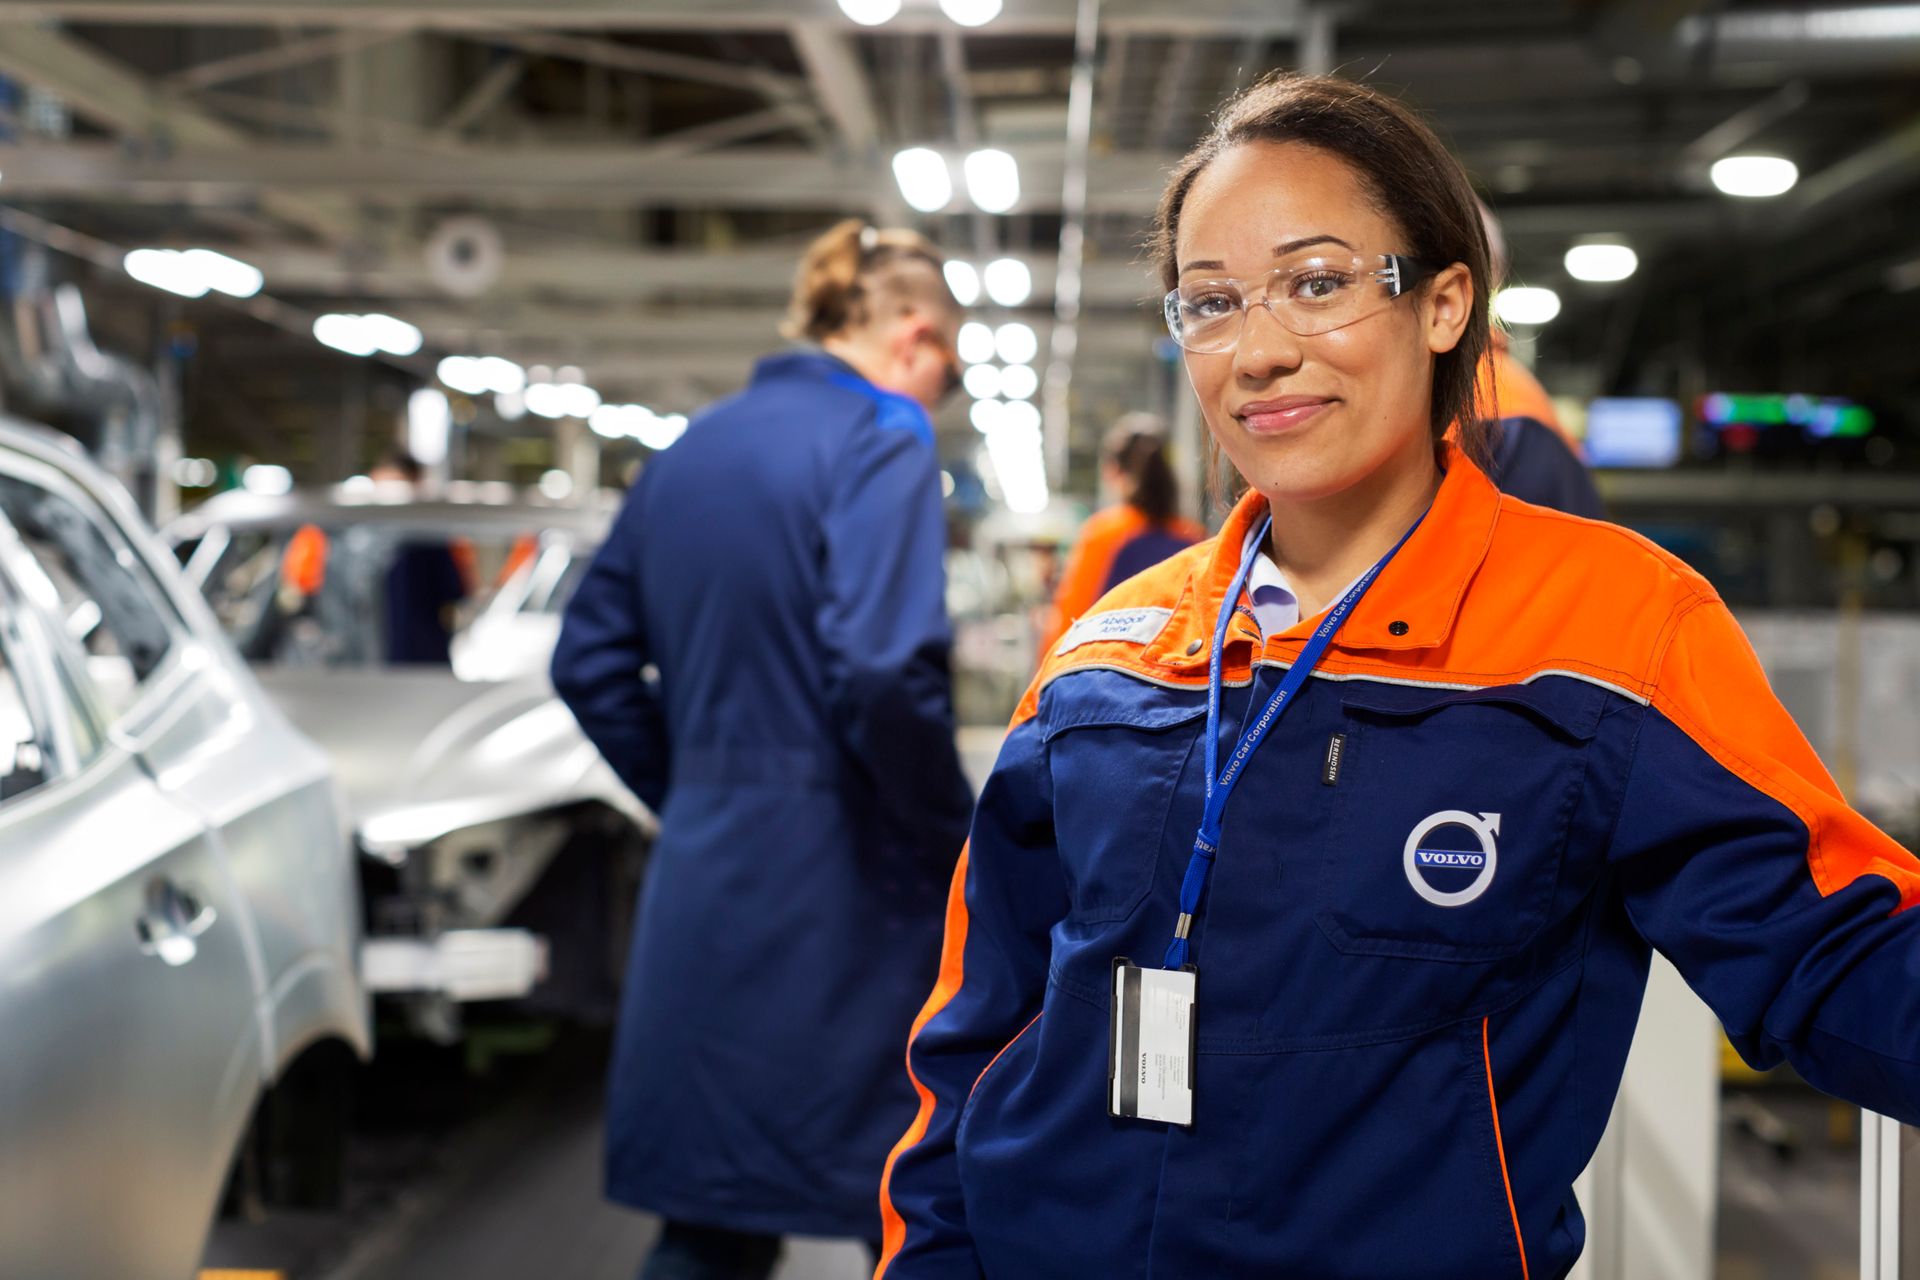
178, 903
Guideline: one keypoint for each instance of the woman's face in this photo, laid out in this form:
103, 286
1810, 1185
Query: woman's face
1307, 418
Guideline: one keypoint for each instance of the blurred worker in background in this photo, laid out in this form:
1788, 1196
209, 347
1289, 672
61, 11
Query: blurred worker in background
778, 577
1137, 532
425, 583
1532, 455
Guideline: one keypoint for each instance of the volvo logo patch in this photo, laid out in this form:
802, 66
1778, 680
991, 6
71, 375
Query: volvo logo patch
1423, 853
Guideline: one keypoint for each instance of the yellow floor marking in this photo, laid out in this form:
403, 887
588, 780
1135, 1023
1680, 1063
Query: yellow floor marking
242, 1275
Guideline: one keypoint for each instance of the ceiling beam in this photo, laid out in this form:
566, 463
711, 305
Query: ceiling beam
839, 82
1224, 18
116, 96
554, 175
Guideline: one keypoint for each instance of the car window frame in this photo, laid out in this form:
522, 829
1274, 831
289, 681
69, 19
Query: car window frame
27, 647
161, 687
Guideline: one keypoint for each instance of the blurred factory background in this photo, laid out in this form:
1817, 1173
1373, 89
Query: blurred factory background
248, 247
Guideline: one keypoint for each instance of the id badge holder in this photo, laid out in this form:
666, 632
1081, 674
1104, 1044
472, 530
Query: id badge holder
1150, 1063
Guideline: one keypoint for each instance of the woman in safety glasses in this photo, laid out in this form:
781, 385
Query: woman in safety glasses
1306, 914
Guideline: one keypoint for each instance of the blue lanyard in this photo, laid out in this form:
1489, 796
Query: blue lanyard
1220, 784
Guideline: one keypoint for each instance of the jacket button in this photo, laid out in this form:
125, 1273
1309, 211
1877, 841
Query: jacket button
1195, 647
1397, 628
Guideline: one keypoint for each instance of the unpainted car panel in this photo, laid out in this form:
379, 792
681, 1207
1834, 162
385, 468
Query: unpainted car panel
176, 908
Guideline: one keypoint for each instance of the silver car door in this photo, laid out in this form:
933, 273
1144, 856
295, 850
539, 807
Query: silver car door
215, 742
124, 988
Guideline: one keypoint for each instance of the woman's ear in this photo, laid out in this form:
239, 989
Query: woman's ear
1446, 306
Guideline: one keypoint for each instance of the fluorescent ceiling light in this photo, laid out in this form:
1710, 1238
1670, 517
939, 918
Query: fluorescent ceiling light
463, 374
502, 375
964, 281
985, 414
870, 13
546, 399
556, 484
1019, 382
1601, 263
1522, 305
344, 333
230, 276
976, 342
971, 13
164, 269
578, 399
1754, 177
1008, 281
982, 381
993, 179
1016, 342
924, 181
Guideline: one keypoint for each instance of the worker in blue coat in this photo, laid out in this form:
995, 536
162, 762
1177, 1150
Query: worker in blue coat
761, 651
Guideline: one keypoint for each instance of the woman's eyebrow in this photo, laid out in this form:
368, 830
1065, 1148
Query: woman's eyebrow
1279, 251
1294, 246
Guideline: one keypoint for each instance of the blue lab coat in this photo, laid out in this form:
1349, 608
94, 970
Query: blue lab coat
780, 569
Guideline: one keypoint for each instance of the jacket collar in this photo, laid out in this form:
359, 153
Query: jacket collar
802, 362
1422, 587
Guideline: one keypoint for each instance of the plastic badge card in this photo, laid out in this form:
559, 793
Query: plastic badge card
1151, 1072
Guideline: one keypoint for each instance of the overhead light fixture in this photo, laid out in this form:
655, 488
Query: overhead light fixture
993, 179
982, 381
657, 431
502, 375
429, 423
1019, 382
1008, 281
985, 414
510, 405
163, 269
546, 399
963, 280
1016, 342
1526, 306
1601, 263
463, 374
344, 333
578, 399
870, 13
230, 276
364, 335
976, 342
556, 485
1754, 177
924, 180
971, 13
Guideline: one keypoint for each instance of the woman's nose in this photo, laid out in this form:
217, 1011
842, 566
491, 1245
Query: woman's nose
1266, 346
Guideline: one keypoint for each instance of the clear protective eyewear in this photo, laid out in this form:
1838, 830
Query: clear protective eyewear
1313, 296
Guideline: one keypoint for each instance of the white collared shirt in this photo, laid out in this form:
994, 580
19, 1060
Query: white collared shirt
1275, 606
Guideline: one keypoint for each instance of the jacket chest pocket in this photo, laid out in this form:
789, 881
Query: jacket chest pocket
1116, 756
1451, 823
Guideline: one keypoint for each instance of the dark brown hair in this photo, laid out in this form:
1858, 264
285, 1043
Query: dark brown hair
854, 271
1137, 445
1407, 172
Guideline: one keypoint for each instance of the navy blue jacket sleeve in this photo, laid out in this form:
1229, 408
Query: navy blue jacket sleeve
1789, 913
1008, 892
885, 636
598, 664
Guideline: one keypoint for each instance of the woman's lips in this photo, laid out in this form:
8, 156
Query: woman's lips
1271, 417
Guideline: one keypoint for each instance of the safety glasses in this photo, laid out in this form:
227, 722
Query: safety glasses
1312, 296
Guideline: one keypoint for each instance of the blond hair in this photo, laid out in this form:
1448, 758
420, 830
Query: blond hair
855, 272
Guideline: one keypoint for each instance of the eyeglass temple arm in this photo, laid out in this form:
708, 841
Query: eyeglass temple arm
1402, 273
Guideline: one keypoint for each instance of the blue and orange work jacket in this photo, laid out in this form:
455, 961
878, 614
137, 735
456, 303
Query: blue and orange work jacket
1386, 1086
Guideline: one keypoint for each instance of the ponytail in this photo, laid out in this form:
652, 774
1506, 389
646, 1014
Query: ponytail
854, 270
1138, 447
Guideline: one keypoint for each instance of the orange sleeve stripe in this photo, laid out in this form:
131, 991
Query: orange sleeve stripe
1500, 1145
893, 1228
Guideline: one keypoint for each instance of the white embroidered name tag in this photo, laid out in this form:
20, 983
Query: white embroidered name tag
1133, 626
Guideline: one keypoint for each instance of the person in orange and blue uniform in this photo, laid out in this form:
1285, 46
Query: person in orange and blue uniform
1135, 533
761, 651
1306, 936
